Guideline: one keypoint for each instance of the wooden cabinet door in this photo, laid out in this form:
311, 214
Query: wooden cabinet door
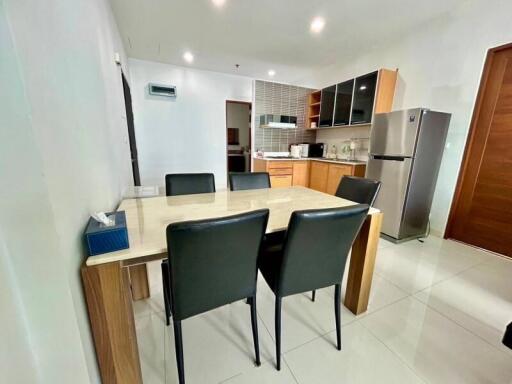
281, 181
259, 165
280, 171
336, 172
318, 179
301, 173
359, 170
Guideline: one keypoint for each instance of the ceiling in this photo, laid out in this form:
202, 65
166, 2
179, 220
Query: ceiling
266, 34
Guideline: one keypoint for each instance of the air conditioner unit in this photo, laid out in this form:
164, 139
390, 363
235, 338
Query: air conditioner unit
162, 90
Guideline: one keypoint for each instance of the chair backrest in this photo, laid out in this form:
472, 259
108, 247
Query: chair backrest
189, 183
358, 189
316, 247
213, 262
248, 180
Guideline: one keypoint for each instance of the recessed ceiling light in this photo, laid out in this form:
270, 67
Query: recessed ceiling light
219, 3
362, 87
188, 57
317, 24
271, 73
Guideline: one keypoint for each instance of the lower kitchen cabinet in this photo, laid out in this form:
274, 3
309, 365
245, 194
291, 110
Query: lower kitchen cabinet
325, 177
301, 173
336, 172
281, 181
284, 173
318, 177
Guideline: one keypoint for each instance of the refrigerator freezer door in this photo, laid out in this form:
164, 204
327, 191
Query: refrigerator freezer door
394, 176
395, 133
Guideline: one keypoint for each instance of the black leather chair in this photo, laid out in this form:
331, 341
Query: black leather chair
507, 338
212, 263
248, 180
183, 184
255, 180
313, 256
358, 189
189, 183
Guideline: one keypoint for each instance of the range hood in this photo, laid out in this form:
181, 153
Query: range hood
278, 121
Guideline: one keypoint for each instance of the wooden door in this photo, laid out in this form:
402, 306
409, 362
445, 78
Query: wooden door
481, 213
301, 173
336, 172
318, 178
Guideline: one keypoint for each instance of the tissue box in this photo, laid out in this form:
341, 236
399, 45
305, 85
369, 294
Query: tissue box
102, 239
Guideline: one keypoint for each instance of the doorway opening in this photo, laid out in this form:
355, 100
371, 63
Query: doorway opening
131, 131
481, 211
238, 136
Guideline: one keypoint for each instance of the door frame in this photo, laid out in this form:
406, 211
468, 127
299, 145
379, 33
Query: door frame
249, 103
489, 59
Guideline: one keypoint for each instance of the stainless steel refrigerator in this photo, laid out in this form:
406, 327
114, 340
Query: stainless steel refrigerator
405, 153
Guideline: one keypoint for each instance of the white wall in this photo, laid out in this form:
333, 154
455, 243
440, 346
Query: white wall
186, 134
440, 66
17, 362
63, 153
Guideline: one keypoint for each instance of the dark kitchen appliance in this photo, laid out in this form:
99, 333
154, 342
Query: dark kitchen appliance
316, 150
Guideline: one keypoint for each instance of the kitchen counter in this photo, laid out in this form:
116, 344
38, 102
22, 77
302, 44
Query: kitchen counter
323, 159
321, 174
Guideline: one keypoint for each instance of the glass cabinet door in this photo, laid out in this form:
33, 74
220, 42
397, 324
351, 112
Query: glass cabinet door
343, 102
364, 96
327, 106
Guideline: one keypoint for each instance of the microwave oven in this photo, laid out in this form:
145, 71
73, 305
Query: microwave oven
312, 150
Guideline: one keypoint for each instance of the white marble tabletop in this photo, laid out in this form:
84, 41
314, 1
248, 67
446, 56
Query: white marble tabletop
148, 218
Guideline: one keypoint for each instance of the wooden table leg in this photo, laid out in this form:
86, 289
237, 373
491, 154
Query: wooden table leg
139, 281
107, 291
362, 264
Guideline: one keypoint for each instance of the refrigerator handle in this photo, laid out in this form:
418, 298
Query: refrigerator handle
384, 157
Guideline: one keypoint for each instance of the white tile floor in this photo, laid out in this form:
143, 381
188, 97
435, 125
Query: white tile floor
437, 313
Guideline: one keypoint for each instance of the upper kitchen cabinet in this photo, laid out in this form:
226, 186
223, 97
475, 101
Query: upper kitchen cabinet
364, 97
353, 102
343, 103
327, 106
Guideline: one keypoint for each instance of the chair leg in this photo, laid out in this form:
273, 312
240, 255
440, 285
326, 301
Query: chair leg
178, 343
313, 295
337, 304
167, 301
278, 332
254, 323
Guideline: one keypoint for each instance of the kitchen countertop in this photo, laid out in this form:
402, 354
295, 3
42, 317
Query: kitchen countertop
322, 159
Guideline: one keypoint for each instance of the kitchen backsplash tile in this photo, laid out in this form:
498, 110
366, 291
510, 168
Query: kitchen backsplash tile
340, 137
280, 99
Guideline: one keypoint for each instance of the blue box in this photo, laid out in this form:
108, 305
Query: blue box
102, 239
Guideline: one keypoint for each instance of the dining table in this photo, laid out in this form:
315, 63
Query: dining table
112, 281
